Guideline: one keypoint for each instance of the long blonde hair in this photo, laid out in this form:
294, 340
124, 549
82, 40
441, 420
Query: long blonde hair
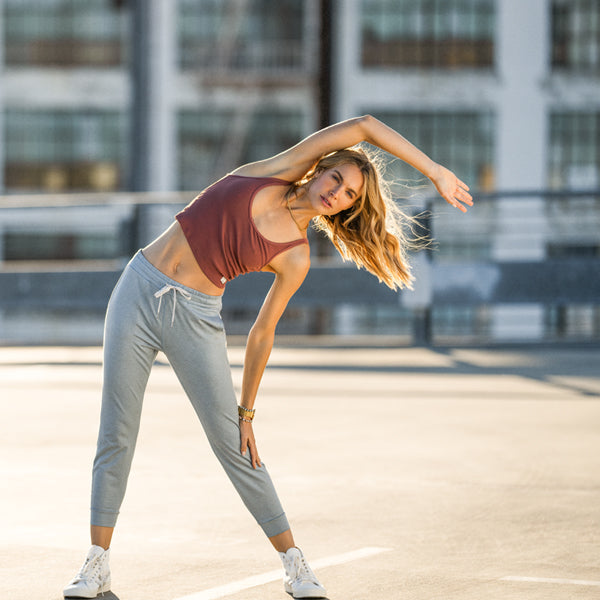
373, 233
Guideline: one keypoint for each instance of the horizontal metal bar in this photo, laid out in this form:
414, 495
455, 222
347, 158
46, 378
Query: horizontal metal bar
33, 201
179, 197
499, 195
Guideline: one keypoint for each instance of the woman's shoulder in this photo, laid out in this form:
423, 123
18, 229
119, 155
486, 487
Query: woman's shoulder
263, 169
294, 262
239, 182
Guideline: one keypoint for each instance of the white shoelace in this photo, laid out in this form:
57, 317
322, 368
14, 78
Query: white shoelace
165, 290
91, 570
302, 571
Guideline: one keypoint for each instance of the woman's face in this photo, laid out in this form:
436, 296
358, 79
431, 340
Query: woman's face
336, 189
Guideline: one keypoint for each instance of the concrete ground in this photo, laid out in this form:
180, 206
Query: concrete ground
455, 474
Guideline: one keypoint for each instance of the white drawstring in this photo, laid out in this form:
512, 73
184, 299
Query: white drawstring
164, 290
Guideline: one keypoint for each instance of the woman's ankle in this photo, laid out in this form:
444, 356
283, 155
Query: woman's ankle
101, 536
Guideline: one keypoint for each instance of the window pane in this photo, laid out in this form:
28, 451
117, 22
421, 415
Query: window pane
61, 246
576, 35
462, 141
574, 164
60, 150
64, 33
574, 156
215, 141
428, 33
241, 34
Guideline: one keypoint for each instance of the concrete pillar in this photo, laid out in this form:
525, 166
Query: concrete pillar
2, 157
346, 50
522, 55
153, 110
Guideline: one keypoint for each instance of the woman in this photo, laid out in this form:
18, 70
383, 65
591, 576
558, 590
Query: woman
253, 219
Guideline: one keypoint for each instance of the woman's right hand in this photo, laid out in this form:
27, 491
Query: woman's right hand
249, 443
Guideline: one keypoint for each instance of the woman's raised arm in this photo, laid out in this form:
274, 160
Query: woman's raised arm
448, 185
295, 162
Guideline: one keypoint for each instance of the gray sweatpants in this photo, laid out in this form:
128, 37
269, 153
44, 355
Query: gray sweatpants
149, 312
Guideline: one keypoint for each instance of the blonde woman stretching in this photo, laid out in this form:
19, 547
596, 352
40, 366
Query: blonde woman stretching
169, 298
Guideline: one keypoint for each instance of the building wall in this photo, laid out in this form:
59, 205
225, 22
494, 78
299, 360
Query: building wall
69, 87
540, 68
228, 82
504, 92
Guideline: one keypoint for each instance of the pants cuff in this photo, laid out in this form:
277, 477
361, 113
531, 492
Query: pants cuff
275, 526
103, 518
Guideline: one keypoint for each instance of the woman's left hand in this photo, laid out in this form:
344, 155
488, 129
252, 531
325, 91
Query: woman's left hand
249, 443
451, 188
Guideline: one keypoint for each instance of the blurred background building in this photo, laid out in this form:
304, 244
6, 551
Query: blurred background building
115, 113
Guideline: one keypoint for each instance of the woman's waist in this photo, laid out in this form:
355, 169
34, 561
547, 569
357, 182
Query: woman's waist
171, 255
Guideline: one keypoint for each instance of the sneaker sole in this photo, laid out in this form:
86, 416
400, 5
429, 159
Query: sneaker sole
98, 595
289, 591
105, 588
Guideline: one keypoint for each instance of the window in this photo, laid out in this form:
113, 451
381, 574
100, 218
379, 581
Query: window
371, 320
233, 35
452, 324
462, 141
572, 322
574, 155
428, 33
272, 131
573, 220
64, 33
41, 245
64, 150
576, 35
213, 142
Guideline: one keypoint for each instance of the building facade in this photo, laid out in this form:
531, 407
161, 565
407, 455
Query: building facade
68, 88
504, 92
507, 94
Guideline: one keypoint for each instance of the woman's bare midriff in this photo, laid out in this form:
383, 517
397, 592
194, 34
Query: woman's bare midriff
171, 254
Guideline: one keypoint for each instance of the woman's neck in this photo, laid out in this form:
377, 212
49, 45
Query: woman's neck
300, 209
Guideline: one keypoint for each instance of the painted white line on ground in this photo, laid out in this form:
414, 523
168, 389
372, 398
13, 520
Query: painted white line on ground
552, 580
243, 584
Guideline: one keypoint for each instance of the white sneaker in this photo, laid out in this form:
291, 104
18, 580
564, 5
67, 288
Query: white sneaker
299, 580
93, 577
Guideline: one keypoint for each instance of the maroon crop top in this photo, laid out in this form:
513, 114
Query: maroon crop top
220, 230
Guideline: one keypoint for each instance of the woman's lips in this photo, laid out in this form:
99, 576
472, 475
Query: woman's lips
325, 202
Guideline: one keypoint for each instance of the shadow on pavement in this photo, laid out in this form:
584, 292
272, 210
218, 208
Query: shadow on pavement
105, 596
